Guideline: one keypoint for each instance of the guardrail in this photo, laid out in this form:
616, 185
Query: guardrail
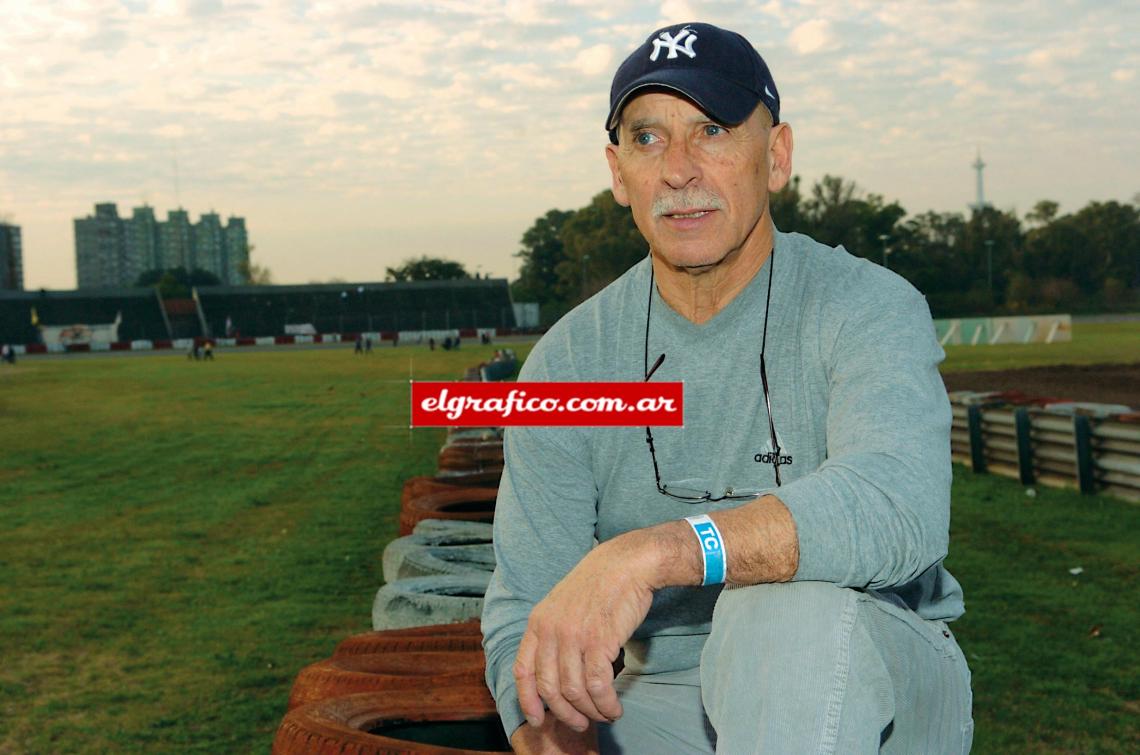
1094, 448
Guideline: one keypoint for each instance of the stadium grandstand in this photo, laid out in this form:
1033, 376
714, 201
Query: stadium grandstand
259, 311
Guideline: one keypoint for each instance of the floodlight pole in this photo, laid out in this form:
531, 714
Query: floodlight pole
990, 267
883, 238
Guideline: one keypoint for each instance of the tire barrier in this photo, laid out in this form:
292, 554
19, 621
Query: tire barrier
469, 504
415, 684
346, 675
460, 636
429, 600
444, 721
418, 556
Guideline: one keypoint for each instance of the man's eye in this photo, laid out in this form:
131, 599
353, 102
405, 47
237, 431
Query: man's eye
644, 138
713, 129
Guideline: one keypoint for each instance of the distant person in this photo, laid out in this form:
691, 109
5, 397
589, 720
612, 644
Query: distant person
359, 345
194, 353
484, 338
455, 344
368, 345
431, 344
447, 343
395, 340
208, 351
8, 353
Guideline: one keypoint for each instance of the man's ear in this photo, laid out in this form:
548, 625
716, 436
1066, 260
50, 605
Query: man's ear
615, 173
780, 144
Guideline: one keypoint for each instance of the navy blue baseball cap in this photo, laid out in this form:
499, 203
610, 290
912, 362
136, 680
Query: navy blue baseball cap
717, 69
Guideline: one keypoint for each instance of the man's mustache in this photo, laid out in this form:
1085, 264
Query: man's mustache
693, 199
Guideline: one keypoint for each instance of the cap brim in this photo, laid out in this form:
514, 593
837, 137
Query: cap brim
725, 101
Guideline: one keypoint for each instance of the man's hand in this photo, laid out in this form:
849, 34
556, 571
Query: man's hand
574, 635
566, 656
554, 738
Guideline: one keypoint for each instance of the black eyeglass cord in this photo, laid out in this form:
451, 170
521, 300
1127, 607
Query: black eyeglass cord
763, 372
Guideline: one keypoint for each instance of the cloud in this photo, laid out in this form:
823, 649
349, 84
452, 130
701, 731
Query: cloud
677, 12
594, 60
812, 36
493, 110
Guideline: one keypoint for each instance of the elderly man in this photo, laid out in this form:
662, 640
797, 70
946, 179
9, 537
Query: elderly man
811, 476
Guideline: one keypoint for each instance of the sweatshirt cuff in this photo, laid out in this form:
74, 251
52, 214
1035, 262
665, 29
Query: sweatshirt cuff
816, 526
507, 701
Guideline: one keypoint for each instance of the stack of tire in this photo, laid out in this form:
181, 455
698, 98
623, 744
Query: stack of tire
415, 684
415, 690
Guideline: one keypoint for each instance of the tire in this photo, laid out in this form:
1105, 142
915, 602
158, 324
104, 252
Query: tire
417, 556
458, 531
458, 478
462, 435
468, 504
459, 463
386, 672
463, 455
463, 717
464, 635
429, 600
417, 487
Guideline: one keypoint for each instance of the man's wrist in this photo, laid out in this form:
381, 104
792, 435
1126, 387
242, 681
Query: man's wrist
664, 555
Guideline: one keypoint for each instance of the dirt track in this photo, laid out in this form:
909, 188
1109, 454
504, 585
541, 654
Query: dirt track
1103, 383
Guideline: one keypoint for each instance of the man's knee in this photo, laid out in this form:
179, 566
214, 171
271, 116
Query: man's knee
792, 661
763, 633
789, 613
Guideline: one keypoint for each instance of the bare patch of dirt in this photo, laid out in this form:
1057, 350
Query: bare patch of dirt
1101, 383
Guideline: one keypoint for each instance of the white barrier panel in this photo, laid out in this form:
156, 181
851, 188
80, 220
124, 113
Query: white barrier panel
80, 333
264, 341
300, 329
142, 345
995, 330
182, 343
100, 346
422, 337
302, 339
226, 341
526, 314
20, 349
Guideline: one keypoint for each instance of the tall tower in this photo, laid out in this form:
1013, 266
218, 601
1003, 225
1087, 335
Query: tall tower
980, 166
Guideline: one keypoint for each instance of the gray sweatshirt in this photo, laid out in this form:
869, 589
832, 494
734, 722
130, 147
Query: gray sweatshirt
861, 416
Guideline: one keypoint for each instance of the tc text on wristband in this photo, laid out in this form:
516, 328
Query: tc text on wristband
712, 548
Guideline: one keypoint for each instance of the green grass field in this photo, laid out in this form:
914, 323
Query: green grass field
178, 539
1093, 343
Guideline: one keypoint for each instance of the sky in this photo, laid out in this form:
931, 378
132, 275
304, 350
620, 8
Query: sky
353, 135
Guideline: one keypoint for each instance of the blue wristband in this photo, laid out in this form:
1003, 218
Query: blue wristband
712, 548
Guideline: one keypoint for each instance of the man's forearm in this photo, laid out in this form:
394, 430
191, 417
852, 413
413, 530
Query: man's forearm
759, 540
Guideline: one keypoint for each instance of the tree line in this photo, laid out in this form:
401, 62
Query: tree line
986, 262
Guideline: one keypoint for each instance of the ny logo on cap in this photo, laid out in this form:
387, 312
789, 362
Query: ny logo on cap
673, 44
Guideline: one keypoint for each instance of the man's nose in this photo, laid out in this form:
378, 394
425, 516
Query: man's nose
681, 166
